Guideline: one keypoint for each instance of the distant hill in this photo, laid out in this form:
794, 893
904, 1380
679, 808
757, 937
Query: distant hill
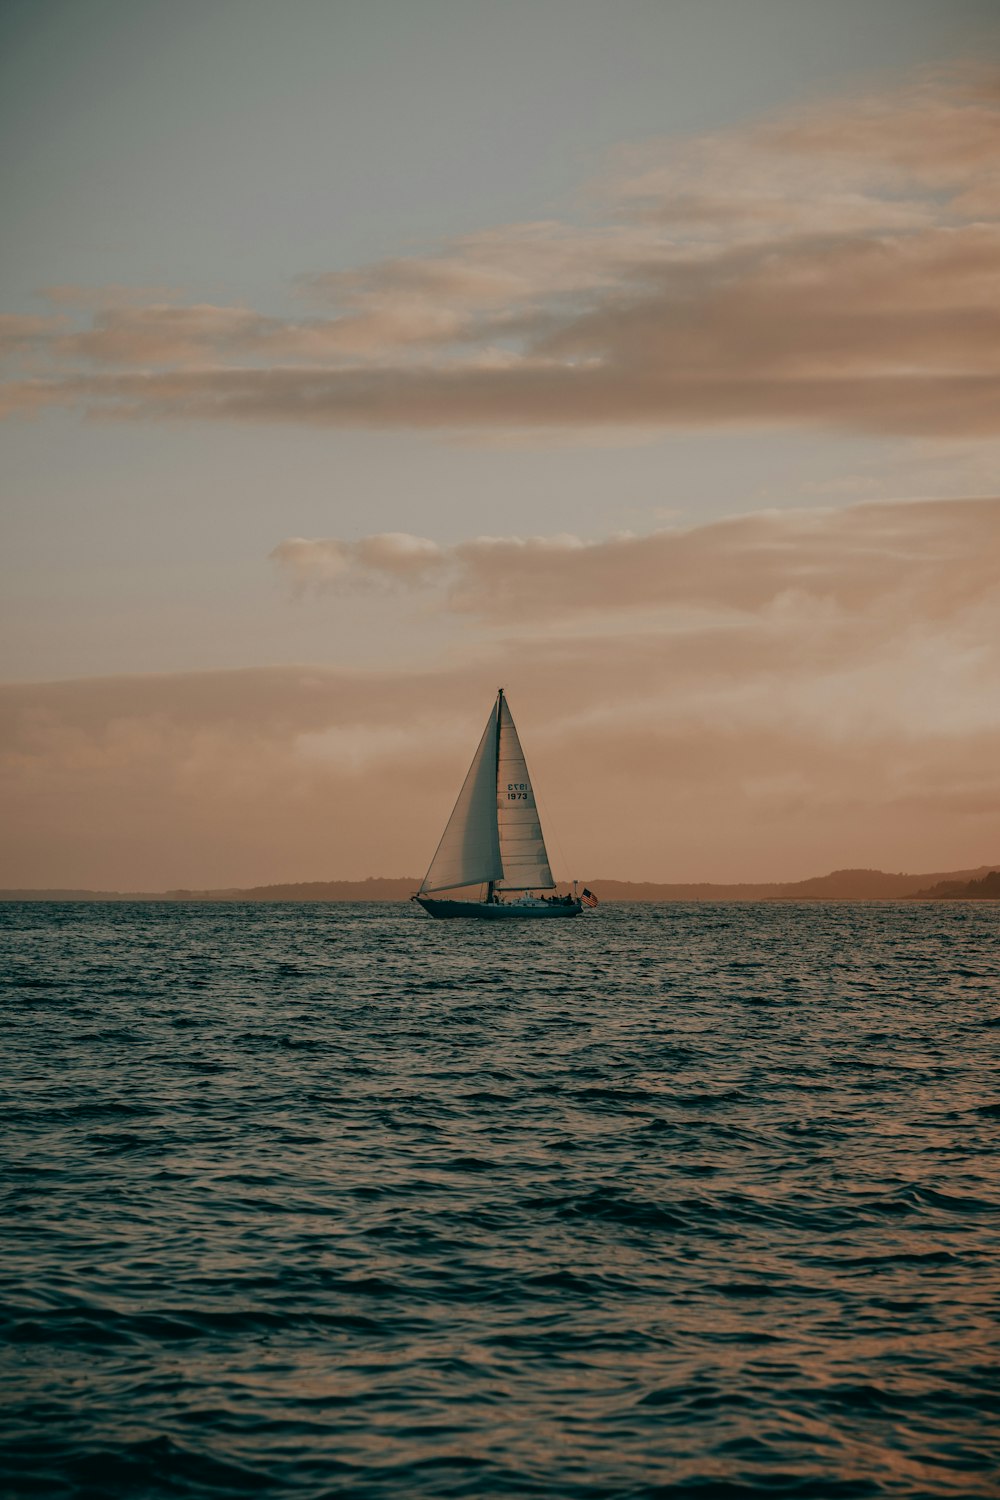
375, 888
840, 885
982, 883
986, 889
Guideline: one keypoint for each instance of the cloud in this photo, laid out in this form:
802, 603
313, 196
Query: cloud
21, 334
909, 561
836, 267
163, 334
650, 762
392, 555
754, 699
902, 157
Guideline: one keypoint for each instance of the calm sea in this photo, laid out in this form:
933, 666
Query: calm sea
337, 1200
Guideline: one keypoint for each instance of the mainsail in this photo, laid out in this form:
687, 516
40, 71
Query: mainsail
493, 834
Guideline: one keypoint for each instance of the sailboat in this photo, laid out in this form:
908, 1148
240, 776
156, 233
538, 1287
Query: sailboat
494, 838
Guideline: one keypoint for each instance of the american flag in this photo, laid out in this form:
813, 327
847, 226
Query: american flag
588, 898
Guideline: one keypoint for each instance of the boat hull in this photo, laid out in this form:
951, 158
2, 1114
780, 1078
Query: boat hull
496, 911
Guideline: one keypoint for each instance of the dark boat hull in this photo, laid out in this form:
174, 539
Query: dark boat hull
497, 911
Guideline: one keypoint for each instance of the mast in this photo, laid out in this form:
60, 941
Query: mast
496, 775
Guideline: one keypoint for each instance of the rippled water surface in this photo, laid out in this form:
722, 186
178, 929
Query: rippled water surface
664, 1201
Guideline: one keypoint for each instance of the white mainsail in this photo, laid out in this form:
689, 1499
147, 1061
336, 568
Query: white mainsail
469, 851
493, 834
522, 847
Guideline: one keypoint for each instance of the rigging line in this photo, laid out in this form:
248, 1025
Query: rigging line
543, 813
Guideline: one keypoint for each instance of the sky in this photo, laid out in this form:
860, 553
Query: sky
360, 357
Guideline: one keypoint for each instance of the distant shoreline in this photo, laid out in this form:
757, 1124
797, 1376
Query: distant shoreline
982, 884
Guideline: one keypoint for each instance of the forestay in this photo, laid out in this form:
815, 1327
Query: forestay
469, 851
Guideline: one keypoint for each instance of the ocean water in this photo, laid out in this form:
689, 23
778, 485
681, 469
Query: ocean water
675, 1200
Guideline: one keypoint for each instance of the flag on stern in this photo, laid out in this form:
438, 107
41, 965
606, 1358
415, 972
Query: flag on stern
588, 898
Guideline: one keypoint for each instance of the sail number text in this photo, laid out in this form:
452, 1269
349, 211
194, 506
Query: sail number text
518, 791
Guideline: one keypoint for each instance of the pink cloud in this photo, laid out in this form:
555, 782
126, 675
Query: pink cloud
838, 267
761, 698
